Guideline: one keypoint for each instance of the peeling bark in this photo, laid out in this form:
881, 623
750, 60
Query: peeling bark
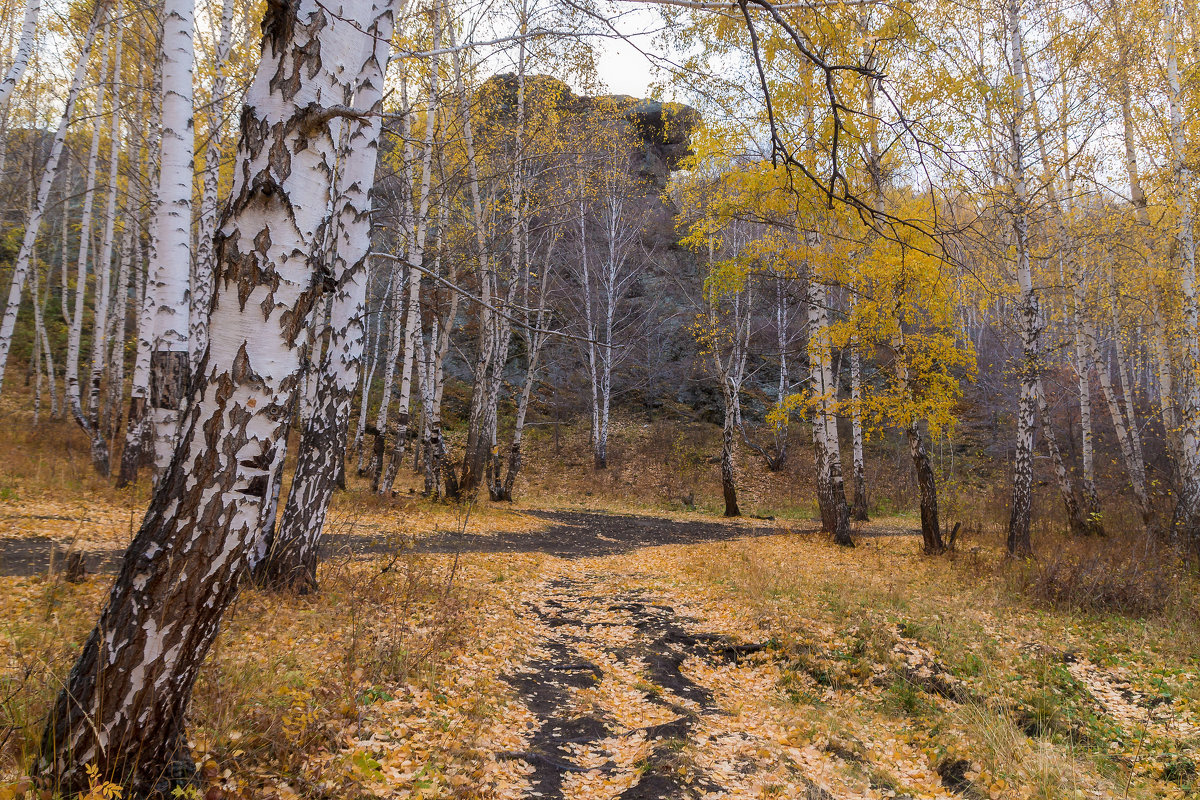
1027, 310
124, 704
290, 561
203, 267
831, 490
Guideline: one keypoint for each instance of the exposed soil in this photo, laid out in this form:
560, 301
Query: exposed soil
619, 710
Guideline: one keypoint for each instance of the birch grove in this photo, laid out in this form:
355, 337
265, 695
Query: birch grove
950, 244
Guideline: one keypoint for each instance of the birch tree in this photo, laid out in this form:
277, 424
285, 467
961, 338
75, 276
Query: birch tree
123, 706
724, 334
169, 270
1028, 314
24, 50
288, 560
202, 272
74, 388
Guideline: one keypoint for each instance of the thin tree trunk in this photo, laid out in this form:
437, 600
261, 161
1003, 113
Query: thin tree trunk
534, 342
1030, 368
23, 52
1134, 467
74, 390
395, 291
202, 275
438, 468
931, 532
478, 444
858, 508
1076, 520
1187, 527
367, 379
116, 357
137, 422
169, 273
419, 214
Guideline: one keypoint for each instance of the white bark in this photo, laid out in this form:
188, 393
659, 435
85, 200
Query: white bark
23, 51
170, 264
202, 273
418, 228
835, 513
1028, 312
1189, 514
125, 703
100, 328
400, 275
75, 333
323, 442
116, 335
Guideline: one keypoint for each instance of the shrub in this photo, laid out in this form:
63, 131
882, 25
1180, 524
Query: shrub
1102, 576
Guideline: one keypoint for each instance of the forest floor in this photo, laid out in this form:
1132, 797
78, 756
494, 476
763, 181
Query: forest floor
528, 651
518, 653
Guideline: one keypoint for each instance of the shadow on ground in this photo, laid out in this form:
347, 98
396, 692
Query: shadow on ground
570, 534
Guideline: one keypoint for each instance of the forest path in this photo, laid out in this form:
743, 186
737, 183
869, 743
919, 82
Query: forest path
636, 694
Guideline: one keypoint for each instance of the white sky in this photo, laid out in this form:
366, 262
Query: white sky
623, 68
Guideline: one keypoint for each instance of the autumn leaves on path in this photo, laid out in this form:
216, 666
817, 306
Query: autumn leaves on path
633, 699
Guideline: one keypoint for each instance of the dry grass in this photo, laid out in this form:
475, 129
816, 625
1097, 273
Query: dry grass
1105, 576
1035, 699
293, 683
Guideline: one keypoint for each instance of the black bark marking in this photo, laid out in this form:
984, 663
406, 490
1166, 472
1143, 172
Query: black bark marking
169, 372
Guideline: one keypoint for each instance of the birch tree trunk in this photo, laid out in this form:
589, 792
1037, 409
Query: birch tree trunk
931, 531
170, 270
419, 226
478, 444
202, 272
138, 427
116, 337
394, 316
23, 51
124, 705
1134, 467
100, 328
831, 490
46, 359
1028, 314
290, 561
74, 391
1076, 520
534, 333
437, 467
1187, 516
367, 379
731, 373
33, 224
858, 507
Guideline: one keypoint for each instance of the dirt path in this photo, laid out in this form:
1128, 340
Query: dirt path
635, 699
